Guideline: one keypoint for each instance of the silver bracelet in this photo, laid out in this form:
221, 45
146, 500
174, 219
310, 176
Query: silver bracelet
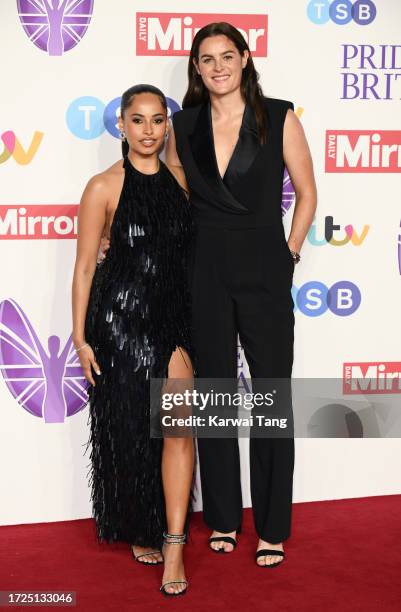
81, 347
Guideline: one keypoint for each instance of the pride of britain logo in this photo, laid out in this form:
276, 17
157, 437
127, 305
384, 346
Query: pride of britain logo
47, 384
55, 26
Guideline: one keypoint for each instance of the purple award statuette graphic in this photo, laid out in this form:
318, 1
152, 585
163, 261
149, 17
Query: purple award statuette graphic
50, 385
55, 26
288, 197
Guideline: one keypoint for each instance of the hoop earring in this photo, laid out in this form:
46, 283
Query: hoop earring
123, 137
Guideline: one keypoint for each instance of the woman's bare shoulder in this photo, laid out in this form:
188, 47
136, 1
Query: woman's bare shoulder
107, 179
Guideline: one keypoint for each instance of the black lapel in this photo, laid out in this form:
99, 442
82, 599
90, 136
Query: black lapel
203, 152
202, 147
245, 152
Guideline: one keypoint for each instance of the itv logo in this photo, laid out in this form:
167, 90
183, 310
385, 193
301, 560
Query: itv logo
12, 147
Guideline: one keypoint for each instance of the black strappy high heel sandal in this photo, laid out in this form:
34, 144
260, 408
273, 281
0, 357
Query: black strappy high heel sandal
227, 539
171, 538
269, 552
152, 552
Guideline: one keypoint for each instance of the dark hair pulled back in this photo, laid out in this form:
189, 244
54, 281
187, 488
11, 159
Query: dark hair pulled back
127, 98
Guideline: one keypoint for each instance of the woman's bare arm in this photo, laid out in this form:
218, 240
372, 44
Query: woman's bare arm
178, 172
299, 164
91, 221
171, 154
173, 161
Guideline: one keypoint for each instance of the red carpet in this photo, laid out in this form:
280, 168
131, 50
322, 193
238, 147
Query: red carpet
343, 555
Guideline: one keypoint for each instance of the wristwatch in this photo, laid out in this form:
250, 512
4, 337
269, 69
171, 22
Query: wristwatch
296, 256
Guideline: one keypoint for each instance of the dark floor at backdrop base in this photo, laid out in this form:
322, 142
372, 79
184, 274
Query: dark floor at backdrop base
343, 555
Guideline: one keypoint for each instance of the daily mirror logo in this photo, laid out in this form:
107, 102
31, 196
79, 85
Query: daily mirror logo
55, 26
371, 377
38, 221
363, 151
173, 33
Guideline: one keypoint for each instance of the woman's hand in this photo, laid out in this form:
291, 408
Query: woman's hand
103, 248
87, 360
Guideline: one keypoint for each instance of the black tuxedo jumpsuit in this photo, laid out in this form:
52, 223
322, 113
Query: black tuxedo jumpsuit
241, 284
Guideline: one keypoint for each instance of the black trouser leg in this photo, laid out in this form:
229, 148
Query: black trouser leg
266, 327
215, 341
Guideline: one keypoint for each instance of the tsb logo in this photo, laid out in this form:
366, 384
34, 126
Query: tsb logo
88, 117
314, 298
363, 151
341, 12
172, 33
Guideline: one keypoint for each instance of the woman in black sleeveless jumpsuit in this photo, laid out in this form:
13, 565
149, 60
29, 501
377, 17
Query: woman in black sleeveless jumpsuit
241, 283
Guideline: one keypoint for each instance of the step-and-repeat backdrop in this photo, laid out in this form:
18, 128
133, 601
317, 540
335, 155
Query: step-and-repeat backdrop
65, 65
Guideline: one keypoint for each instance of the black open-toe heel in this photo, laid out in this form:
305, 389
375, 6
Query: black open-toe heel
172, 538
152, 552
269, 552
227, 539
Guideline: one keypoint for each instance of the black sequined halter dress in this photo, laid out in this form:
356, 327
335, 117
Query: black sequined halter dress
138, 314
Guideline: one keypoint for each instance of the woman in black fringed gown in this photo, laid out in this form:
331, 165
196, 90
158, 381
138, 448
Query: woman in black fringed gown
132, 323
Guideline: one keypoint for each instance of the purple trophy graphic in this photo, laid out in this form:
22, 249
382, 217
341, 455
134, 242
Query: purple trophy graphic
55, 26
288, 197
48, 385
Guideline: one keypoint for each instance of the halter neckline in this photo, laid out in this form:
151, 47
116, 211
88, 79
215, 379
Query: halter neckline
128, 164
